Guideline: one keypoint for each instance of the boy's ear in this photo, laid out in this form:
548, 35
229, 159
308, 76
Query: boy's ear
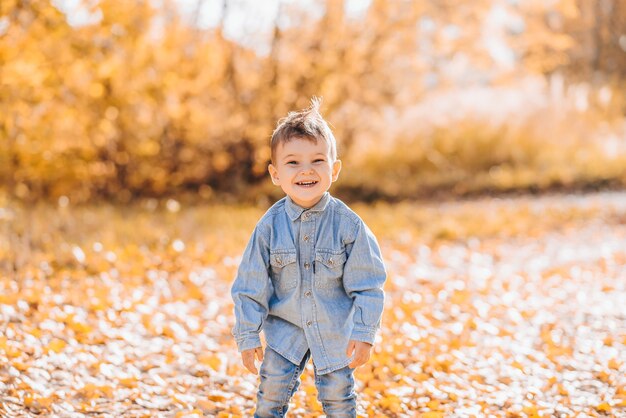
273, 174
336, 169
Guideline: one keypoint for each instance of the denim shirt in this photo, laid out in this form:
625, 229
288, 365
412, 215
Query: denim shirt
311, 279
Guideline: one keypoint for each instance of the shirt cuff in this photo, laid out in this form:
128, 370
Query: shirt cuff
364, 334
246, 343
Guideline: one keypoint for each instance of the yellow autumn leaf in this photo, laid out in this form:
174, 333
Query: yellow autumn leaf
210, 360
195, 413
128, 382
432, 414
56, 345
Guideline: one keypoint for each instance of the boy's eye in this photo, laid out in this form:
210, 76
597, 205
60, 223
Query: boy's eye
318, 160
292, 162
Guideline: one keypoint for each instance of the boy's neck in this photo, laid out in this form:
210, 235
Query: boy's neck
309, 206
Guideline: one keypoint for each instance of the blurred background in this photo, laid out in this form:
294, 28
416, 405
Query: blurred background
102, 99
134, 143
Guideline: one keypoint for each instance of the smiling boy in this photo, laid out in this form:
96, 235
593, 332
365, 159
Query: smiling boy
311, 277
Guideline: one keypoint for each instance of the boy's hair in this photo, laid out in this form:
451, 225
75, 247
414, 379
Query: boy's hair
307, 124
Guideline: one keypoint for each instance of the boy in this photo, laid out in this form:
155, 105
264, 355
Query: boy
311, 277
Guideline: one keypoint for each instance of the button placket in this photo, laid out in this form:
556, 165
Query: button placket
306, 249
306, 241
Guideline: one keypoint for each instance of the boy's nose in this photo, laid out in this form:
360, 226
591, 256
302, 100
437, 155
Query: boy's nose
307, 169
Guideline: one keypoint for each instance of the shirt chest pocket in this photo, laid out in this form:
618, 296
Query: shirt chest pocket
284, 269
329, 268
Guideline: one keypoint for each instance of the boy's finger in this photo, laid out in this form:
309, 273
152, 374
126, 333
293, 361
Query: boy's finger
363, 354
249, 364
354, 363
247, 358
350, 349
259, 353
359, 360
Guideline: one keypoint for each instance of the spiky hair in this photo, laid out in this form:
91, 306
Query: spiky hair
306, 124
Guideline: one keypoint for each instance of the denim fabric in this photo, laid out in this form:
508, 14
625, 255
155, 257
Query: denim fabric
280, 379
312, 280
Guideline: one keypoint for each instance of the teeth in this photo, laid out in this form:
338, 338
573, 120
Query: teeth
307, 182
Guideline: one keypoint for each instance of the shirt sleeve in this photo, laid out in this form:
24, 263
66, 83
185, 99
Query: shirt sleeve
251, 292
363, 279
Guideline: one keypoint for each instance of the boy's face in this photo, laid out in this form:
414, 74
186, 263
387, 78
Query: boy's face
304, 170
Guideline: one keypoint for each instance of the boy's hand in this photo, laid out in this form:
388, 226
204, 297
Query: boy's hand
361, 353
247, 356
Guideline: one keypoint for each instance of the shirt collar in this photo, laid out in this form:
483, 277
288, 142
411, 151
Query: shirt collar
294, 210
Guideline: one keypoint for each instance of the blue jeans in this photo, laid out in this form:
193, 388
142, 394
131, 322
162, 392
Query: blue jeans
280, 378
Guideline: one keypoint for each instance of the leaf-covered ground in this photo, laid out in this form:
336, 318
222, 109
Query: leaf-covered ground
505, 307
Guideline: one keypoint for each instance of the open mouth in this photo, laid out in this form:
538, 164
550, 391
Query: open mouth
307, 183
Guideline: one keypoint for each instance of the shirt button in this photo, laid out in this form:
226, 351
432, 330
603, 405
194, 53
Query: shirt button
308, 323
307, 293
306, 238
307, 265
307, 215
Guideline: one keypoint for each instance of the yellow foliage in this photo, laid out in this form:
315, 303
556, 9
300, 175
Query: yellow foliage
210, 360
128, 382
141, 102
432, 414
376, 385
37, 402
434, 404
615, 364
195, 413
56, 345
604, 407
